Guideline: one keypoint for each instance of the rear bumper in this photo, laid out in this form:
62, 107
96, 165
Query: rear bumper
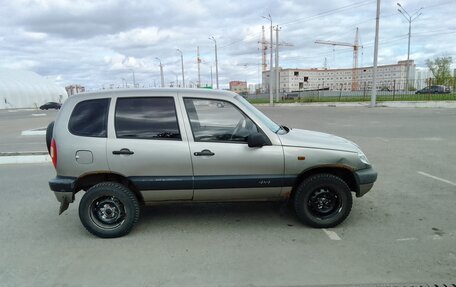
63, 188
365, 179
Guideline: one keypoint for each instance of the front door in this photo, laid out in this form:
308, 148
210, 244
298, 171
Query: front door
224, 167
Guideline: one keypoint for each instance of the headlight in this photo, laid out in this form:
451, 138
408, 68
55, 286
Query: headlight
362, 157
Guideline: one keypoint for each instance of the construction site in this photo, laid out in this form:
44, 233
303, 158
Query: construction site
398, 76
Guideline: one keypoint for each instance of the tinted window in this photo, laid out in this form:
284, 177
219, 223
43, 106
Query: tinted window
89, 118
213, 120
146, 118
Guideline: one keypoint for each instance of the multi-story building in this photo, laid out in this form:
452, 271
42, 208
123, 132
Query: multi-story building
388, 77
239, 87
74, 89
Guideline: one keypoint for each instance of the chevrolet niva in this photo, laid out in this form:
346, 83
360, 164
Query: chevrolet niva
127, 148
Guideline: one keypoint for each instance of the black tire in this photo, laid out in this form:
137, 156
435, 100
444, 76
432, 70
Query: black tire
109, 210
49, 131
323, 201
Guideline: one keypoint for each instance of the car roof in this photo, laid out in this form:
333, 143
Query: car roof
134, 92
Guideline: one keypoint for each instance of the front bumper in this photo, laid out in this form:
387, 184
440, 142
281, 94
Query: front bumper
63, 188
365, 179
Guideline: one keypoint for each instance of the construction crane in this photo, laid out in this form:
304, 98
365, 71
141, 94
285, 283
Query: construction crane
355, 47
265, 47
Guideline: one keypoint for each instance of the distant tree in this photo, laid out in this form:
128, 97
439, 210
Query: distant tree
440, 68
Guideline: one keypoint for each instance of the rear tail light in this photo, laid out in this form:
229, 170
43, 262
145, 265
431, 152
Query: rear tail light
53, 153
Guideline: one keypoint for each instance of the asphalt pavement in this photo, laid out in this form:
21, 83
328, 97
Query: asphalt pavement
403, 231
14, 122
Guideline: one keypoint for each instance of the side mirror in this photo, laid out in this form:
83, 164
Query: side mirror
256, 140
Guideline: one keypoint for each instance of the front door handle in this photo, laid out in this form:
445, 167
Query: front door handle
123, 151
204, 152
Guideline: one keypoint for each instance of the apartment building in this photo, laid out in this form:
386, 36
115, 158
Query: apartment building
388, 77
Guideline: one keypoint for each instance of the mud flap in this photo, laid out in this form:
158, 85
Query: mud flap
63, 206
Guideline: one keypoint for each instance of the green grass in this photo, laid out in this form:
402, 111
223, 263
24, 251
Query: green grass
380, 98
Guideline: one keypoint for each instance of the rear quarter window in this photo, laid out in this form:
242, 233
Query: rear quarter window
90, 118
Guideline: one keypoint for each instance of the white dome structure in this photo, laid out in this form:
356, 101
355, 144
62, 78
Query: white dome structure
25, 89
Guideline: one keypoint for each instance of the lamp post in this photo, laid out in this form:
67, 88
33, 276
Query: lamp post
134, 81
216, 62
182, 64
410, 19
271, 99
374, 68
161, 73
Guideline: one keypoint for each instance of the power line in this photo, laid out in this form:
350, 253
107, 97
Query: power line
304, 19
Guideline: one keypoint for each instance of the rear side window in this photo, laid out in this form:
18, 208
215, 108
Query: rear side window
90, 118
147, 118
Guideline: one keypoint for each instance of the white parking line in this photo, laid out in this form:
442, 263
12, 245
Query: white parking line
407, 239
331, 234
35, 132
436, 178
24, 159
39, 115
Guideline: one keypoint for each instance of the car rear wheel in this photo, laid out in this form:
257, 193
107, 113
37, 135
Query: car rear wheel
109, 210
322, 201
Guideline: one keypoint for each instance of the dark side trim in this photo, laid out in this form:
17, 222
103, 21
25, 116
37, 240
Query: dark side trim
67, 184
211, 182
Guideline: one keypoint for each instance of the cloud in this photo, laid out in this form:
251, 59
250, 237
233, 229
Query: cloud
95, 43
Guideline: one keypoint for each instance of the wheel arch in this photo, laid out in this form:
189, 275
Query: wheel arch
344, 172
88, 180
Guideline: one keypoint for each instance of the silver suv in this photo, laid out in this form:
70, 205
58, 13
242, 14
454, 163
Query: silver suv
127, 148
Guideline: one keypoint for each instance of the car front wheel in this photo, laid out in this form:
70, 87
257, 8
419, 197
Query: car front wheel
322, 201
109, 210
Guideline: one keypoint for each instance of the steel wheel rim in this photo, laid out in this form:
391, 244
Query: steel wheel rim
324, 202
107, 212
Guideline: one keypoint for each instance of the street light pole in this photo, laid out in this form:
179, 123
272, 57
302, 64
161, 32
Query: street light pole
182, 64
374, 71
216, 62
409, 19
161, 73
134, 81
277, 75
271, 99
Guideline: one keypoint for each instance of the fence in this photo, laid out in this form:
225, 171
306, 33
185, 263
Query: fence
386, 91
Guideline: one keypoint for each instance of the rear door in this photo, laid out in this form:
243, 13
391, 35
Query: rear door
224, 167
147, 144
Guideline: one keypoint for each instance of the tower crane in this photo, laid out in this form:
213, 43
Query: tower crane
355, 47
264, 48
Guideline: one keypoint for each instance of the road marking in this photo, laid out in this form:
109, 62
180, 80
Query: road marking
35, 132
331, 234
24, 159
407, 239
39, 115
437, 178
383, 139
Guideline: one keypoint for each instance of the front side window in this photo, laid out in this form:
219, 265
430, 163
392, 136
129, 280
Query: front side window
89, 118
218, 121
147, 118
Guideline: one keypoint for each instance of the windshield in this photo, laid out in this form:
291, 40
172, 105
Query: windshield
263, 118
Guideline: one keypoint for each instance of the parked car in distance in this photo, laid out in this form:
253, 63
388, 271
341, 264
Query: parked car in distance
438, 89
127, 148
51, 105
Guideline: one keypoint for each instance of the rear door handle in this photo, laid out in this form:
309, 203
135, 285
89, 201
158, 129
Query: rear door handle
204, 152
123, 151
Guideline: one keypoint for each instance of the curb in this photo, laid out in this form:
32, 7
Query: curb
395, 104
24, 157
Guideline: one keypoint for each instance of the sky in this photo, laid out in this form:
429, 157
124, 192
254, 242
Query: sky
102, 43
